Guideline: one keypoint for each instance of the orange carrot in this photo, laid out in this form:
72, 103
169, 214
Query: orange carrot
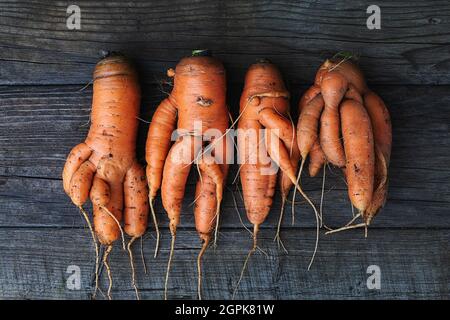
316, 159
105, 164
196, 104
359, 149
382, 132
333, 88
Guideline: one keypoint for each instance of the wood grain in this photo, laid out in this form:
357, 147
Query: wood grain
45, 112
412, 46
411, 266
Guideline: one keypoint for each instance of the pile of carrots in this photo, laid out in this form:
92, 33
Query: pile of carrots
346, 124
341, 122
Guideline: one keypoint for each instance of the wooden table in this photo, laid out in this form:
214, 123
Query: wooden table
44, 112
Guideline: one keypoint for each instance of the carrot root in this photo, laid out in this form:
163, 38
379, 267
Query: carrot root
133, 273
155, 222
280, 220
216, 231
322, 196
353, 226
318, 219
252, 250
108, 270
118, 225
169, 263
205, 244
97, 256
144, 264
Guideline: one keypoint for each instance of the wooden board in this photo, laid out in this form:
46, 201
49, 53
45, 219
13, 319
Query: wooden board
410, 262
44, 108
412, 46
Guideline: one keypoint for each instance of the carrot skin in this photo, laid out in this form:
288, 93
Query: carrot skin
98, 166
136, 201
264, 89
334, 86
317, 159
382, 131
158, 143
359, 149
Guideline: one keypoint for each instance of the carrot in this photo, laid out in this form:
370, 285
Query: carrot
333, 88
307, 126
382, 132
264, 91
104, 166
316, 159
208, 195
264, 104
310, 107
159, 138
359, 150
136, 210
195, 106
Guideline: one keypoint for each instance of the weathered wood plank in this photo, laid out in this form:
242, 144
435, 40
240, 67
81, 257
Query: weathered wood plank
412, 46
48, 121
412, 262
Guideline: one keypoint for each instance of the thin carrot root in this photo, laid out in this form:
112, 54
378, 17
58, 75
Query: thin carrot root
296, 183
144, 264
216, 231
353, 219
237, 210
172, 246
155, 222
317, 240
108, 270
321, 196
97, 255
133, 273
252, 250
205, 244
354, 226
280, 220
345, 227
118, 224
298, 187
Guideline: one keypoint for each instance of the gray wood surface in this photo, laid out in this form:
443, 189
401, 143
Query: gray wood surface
411, 48
44, 114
